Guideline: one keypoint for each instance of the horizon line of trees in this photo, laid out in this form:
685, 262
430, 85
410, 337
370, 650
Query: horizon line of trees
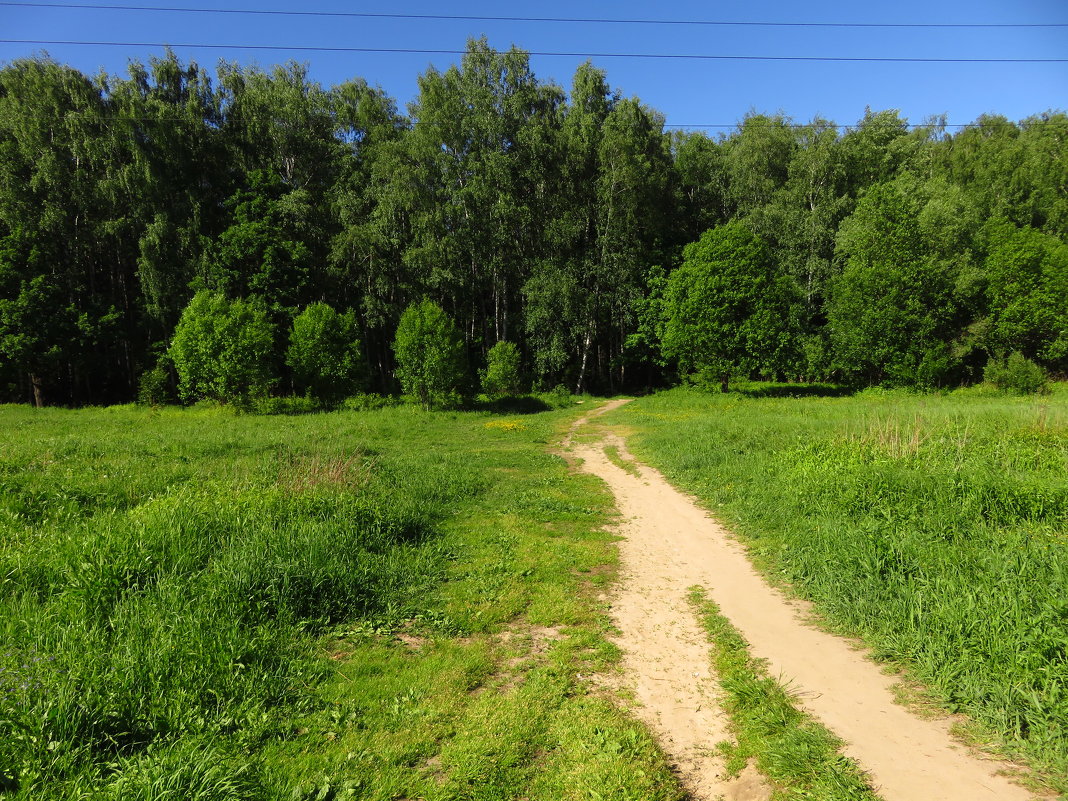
610, 253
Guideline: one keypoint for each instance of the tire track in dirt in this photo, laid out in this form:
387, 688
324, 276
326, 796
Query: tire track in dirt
671, 544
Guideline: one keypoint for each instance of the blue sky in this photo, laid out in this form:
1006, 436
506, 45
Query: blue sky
687, 92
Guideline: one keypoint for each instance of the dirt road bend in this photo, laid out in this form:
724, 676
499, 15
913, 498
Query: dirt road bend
670, 545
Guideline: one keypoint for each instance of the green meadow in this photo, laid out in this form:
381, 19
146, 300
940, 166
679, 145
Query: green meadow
380, 604
400, 604
935, 527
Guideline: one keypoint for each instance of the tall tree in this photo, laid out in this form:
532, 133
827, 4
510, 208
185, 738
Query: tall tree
365, 250
700, 166
175, 179
875, 148
893, 312
66, 288
758, 160
468, 183
614, 197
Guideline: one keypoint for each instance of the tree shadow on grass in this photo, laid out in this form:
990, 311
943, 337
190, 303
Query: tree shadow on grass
795, 391
513, 404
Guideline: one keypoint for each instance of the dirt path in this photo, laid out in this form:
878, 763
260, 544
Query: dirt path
670, 545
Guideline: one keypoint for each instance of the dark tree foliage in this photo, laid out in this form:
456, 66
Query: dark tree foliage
547, 219
892, 310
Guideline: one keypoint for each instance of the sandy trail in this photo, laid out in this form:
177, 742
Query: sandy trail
669, 545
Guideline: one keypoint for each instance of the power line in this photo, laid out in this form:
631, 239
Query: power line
595, 20
448, 52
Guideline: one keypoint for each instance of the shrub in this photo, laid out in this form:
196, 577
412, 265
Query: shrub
558, 397
324, 352
1016, 374
221, 349
430, 355
154, 387
501, 376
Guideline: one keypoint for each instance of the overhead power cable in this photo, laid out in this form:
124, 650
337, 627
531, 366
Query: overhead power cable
450, 52
596, 20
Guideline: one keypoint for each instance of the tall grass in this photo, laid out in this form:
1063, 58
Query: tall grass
198, 605
935, 527
159, 585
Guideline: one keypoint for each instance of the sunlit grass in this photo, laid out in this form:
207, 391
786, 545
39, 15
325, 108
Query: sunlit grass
935, 527
360, 604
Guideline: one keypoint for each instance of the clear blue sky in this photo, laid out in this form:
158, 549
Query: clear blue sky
687, 92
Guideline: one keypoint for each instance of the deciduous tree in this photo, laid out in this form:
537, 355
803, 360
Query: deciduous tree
222, 349
431, 361
726, 308
324, 353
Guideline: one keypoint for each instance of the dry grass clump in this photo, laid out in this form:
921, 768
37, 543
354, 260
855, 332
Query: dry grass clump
348, 471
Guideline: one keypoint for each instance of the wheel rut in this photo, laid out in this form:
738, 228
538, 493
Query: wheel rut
669, 545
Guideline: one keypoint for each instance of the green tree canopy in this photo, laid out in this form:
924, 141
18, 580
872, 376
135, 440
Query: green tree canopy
222, 349
1028, 294
725, 308
324, 353
892, 313
431, 362
502, 376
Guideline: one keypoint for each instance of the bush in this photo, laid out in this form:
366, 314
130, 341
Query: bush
431, 364
367, 402
154, 387
1017, 374
221, 350
558, 397
324, 352
501, 376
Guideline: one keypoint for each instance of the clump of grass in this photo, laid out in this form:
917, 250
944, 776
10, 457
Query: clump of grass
616, 458
794, 751
934, 527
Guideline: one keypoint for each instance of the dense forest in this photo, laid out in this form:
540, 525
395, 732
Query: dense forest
613, 253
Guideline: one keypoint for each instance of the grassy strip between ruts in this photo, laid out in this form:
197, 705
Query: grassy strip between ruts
791, 749
616, 458
377, 605
934, 527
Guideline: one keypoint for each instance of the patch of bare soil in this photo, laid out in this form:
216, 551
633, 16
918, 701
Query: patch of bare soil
670, 545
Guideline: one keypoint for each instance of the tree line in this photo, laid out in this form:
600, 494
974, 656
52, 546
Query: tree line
611, 253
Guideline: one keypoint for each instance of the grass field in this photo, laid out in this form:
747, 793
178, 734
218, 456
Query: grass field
376, 605
935, 527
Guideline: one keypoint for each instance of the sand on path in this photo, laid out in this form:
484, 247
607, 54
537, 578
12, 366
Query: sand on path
669, 545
